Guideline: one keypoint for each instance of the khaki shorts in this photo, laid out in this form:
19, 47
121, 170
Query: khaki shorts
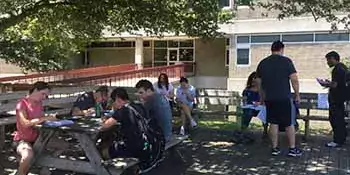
20, 145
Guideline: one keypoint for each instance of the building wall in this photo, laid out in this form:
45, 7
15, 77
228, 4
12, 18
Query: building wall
210, 57
115, 56
308, 60
211, 71
100, 57
7, 70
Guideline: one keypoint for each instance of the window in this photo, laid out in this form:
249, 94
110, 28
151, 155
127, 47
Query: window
146, 43
160, 55
102, 44
124, 44
298, 38
332, 37
227, 53
173, 43
186, 43
227, 57
243, 39
85, 58
160, 44
186, 55
225, 4
243, 2
265, 38
176, 50
112, 44
243, 55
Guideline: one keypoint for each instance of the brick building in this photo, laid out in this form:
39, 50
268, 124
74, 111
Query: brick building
306, 42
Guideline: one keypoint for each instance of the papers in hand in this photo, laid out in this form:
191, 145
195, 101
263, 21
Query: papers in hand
322, 82
255, 107
58, 123
322, 101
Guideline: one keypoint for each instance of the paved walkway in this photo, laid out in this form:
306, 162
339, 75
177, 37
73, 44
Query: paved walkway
213, 152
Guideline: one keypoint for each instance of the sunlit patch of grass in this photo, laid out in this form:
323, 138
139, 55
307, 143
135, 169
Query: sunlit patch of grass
232, 123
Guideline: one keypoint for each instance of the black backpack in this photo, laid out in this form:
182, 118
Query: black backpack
152, 138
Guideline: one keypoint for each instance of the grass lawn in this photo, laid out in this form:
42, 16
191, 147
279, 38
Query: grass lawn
317, 127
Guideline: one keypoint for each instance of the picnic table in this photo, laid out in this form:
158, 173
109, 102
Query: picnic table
84, 130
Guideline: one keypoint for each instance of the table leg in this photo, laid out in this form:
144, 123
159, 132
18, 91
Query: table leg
92, 153
2, 137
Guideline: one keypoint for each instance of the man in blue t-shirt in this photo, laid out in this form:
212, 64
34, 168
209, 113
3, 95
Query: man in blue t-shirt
157, 106
275, 74
85, 103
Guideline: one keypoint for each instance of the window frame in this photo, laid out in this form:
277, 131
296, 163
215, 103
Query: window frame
228, 51
243, 46
231, 4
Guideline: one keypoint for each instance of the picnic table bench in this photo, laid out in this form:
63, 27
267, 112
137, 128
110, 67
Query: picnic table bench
60, 102
85, 130
221, 102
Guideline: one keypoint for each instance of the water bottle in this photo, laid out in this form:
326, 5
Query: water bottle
97, 110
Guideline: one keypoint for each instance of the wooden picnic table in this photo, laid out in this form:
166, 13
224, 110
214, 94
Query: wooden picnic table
84, 130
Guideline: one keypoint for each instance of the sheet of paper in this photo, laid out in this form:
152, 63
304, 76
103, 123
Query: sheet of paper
262, 114
322, 101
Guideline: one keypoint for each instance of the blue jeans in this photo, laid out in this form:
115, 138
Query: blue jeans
247, 117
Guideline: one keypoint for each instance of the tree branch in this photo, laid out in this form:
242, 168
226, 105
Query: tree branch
12, 20
312, 12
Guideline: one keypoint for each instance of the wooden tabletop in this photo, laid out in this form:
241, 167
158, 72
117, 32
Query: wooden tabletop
89, 125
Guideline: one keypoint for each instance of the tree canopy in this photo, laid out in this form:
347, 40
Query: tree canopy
42, 34
336, 12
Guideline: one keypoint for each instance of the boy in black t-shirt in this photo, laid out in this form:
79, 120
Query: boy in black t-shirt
336, 99
131, 143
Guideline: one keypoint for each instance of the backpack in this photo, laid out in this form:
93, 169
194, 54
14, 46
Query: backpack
152, 138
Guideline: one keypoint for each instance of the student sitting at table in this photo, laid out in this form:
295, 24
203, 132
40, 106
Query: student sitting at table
86, 103
136, 136
29, 112
157, 107
251, 97
130, 145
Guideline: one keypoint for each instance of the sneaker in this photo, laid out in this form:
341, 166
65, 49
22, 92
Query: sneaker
276, 151
182, 130
193, 123
295, 152
332, 145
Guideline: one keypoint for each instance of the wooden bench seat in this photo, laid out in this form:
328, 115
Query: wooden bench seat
214, 102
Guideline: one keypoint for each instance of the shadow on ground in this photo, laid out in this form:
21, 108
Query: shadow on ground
211, 151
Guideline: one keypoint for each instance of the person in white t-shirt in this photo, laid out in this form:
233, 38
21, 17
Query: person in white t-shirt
166, 89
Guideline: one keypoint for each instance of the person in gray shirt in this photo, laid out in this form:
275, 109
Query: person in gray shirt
157, 106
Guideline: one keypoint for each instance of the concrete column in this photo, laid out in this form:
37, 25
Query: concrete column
139, 52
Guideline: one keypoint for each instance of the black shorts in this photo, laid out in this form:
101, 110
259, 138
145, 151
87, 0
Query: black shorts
281, 112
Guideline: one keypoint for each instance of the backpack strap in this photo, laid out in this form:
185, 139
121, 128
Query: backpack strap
140, 120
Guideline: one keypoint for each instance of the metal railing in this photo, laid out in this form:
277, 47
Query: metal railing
131, 77
57, 76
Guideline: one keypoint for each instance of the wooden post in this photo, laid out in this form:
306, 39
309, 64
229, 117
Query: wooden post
307, 124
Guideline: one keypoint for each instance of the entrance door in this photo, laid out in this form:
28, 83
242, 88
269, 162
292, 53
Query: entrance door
173, 55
